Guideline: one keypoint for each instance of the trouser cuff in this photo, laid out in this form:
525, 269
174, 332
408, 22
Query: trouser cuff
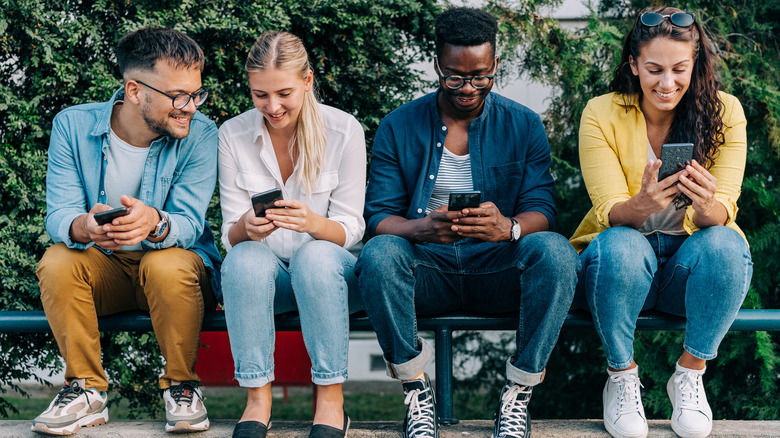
523, 377
411, 368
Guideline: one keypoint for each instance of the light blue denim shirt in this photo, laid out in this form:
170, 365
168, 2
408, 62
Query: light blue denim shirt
509, 153
179, 179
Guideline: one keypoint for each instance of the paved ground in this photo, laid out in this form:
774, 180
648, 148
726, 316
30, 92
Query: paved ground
466, 429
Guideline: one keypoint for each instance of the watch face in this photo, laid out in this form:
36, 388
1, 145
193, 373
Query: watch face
515, 231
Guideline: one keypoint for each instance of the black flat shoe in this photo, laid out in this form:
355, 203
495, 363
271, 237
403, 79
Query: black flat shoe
323, 431
250, 429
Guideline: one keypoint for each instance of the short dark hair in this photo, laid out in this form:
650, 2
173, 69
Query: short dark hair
465, 26
141, 48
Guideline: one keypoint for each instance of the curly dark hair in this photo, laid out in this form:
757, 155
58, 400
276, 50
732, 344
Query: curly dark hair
465, 27
698, 117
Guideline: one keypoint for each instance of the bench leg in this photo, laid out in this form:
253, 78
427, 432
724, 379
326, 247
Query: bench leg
443, 337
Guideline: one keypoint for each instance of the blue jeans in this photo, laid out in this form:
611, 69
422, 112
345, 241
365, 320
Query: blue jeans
703, 277
399, 280
319, 283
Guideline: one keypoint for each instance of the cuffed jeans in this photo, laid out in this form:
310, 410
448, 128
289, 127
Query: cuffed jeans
319, 282
703, 277
399, 280
77, 286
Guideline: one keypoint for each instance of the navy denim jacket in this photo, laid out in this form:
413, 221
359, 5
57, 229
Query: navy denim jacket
510, 160
179, 179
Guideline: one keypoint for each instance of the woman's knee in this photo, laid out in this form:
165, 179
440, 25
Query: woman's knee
249, 256
622, 246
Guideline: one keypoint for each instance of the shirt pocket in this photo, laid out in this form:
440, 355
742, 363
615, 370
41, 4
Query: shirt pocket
254, 183
503, 185
163, 189
319, 200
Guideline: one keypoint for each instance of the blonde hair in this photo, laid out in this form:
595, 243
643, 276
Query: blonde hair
285, 51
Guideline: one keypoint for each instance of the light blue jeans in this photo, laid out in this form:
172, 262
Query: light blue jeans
703, 277
319, 282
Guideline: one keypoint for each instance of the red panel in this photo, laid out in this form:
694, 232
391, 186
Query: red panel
215, 361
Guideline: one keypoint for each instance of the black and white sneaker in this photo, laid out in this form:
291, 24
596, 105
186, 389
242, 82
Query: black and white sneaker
421, 420
512, 419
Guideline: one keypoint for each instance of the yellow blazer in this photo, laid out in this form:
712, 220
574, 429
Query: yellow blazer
613, 156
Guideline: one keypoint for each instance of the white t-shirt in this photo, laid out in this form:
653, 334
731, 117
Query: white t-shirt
247, 165
124, 171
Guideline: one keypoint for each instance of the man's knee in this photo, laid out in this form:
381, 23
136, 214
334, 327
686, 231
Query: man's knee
60, 262
383, 254
172, 272
554, 253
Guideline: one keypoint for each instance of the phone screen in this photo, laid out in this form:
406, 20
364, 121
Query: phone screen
461, 200
265, 200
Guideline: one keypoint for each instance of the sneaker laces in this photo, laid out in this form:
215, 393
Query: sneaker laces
68, 393
628, 393
688, 386
184, 393
514, 406
421, 412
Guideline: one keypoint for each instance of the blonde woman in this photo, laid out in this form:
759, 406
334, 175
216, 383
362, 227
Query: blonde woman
295, 257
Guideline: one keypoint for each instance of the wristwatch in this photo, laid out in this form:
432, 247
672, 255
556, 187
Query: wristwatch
161, 226
514, 236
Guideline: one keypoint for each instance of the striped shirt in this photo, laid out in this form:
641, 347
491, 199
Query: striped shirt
454, 175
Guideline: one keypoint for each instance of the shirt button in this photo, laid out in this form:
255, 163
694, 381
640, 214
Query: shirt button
102, 193
438, 145
419, 210
430, 176
443, 128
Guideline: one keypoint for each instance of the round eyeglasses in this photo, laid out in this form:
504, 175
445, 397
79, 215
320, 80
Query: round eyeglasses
181, 100
453, 82
679, 19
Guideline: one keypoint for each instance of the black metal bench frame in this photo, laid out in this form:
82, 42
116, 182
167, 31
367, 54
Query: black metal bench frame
442, 326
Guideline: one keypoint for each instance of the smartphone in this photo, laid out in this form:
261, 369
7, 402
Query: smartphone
674, 157
262, 201
461, 200
107, 216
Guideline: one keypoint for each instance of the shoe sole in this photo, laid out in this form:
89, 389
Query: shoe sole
616, 434
185, 426
92, 420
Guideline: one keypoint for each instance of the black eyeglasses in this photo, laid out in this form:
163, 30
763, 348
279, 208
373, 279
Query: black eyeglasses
181, 100
679, 19
453, 82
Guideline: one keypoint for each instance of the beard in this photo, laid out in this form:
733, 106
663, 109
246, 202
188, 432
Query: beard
162, 126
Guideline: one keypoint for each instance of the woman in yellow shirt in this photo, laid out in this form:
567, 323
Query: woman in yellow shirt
670, 245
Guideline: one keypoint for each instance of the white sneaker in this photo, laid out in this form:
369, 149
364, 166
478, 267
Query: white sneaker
73, 408
184, 408
691, 414
624, 415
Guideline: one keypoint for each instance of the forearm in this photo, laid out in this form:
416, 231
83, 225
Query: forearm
531, 222
237, 233
326, 229
409, 229
717, 216
628, 214
78, 229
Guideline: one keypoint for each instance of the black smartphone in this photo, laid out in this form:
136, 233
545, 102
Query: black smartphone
107, 216
262, 201
461, 200
674, 158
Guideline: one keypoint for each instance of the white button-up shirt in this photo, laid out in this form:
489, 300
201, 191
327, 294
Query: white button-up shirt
247, 165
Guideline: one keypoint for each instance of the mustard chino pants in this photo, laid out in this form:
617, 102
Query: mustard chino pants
77, 286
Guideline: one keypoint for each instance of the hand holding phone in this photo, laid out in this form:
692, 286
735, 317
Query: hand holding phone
265, 200
107, 216
466, 199
674, 158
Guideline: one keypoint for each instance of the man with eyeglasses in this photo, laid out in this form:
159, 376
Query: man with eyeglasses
430, 257
127, 188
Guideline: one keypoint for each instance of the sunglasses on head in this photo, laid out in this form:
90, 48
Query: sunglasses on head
679, 19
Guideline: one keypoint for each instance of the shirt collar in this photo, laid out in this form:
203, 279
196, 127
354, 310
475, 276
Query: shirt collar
103, 123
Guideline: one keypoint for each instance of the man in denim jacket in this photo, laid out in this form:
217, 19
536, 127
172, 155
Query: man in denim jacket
151, 152
495, 257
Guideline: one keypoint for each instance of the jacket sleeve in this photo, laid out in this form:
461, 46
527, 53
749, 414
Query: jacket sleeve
604, 176
66, 198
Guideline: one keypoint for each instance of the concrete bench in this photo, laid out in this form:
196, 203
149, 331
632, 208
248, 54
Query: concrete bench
442, 326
